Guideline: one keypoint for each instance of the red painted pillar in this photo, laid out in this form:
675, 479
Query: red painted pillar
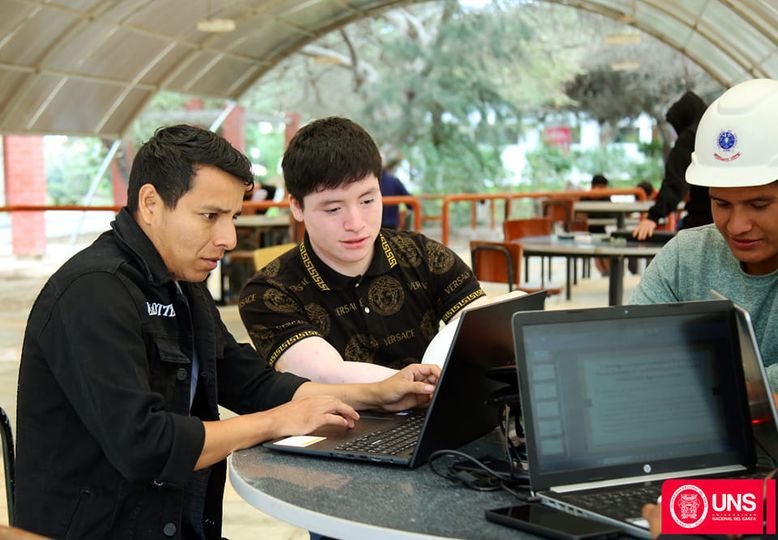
119, 185
25, 183
234, 128
291, 127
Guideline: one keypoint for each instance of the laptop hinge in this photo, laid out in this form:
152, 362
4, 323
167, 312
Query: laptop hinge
647, 478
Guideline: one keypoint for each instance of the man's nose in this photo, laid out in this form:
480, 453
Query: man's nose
226, 235
739, 221
353, 220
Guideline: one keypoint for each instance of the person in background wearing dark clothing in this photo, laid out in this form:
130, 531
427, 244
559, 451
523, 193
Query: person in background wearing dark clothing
683, 115
648, 188
126, 359
391, 185
600, 182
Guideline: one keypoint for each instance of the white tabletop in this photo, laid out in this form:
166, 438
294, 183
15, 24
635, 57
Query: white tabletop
261, 220
592, 207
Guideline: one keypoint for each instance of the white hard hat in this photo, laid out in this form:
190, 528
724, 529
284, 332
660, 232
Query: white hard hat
737, 138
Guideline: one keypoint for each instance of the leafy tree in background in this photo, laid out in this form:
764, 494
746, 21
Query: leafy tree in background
621, 81
444, 85
449, 86
71, 163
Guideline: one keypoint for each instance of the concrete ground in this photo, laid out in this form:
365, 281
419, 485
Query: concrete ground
21, 280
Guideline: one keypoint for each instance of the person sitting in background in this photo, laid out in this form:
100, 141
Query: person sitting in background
648, 189
736, 159
683, 115
353, 302
600, 182
391, 185
126, 359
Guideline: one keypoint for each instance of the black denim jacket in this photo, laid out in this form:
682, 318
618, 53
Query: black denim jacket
106, 442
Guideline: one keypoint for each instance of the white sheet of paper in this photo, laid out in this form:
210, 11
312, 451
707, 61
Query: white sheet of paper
437, 350
300, 440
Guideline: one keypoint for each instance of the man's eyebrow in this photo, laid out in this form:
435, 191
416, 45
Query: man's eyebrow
371, 191
762, 197
216, 209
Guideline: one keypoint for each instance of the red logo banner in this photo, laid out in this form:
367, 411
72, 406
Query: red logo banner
718, 507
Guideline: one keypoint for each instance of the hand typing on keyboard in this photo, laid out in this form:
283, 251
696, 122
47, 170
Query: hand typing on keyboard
653, 514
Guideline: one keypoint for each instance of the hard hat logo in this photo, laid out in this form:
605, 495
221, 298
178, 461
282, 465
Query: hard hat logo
726, 142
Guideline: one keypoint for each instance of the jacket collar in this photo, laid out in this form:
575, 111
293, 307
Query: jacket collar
327, 279
132, 237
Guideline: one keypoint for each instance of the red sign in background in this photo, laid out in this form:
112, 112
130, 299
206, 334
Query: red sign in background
718, 507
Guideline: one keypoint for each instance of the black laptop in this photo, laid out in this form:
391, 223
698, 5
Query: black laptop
659, 237
459, 411
764, 414
616, 400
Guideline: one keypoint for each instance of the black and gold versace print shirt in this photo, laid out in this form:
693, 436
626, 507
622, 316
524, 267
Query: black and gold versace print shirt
387, 316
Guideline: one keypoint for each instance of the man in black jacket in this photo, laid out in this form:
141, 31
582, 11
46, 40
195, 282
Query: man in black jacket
125, 360
683, 115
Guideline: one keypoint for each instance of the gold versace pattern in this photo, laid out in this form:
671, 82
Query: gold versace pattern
319, 317
407, 253
278, 301
271, 269
385, 296
311, 269
288, 343
429, 325
262, 337
462, 303
390, 258
439, 258
360, 348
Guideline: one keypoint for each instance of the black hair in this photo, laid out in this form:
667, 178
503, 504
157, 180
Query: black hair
327, 154
599, 180
646, 186
170, 159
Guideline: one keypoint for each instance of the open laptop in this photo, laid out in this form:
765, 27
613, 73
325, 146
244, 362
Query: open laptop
459, 411
764, 415
617, 400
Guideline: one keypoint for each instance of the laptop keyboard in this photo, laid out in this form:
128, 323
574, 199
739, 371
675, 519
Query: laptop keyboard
391, 441
622, 504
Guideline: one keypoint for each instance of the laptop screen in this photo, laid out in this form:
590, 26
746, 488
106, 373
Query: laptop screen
631, 390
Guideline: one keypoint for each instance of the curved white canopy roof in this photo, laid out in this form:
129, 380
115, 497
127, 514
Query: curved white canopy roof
88, 67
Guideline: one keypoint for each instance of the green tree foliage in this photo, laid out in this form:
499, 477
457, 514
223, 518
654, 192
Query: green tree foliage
71, 163
551, 167
444, 85
633, 74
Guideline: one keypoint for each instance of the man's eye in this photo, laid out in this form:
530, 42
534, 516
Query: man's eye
368, 201
210, 216
331, 210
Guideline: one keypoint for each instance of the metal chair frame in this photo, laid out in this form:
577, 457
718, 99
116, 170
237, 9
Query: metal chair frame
9, 464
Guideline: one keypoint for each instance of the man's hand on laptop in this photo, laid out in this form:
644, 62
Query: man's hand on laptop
644, 229
306, 414
410, 387
653, 514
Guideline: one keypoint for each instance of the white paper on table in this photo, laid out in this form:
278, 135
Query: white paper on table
437, 350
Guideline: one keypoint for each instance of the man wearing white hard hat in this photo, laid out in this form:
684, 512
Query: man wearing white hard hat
736, 157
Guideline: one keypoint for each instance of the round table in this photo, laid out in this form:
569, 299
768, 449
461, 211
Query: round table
357, 500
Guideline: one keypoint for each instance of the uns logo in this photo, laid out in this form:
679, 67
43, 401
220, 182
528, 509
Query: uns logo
726, 502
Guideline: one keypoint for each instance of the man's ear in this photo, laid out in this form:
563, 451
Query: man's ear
149, 202
297, 209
